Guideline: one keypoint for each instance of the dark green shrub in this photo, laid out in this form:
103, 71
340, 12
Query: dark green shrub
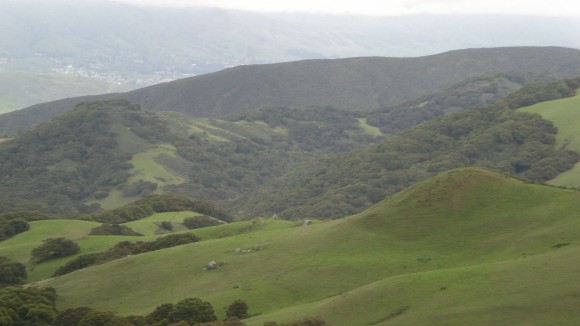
126, 248
166, 225
114, 229
80, 262
71, 316
103, 318
11, 273
200, 221
160, 314
238, 308
193, 311
54, 248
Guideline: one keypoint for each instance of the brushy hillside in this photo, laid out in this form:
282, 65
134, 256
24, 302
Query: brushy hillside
495, 136
471, 93
277, 160
353, 84
462, 247
565, 114
107, 154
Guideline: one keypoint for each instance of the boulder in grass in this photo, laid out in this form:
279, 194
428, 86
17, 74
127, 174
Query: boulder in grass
212, 265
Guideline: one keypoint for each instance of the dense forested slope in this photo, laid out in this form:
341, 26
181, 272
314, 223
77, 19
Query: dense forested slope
110, 153
276, 160
353, 84
495, 136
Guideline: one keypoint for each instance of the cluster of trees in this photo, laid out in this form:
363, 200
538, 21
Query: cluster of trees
27, 306
10, 228
114, 229
537, 93
56, 166
124, 249
157, 204
313, 129
200, 221
54, 248
37, 306
474, 92
11, 273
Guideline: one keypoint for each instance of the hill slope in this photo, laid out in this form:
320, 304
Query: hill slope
565, 114
107, 154
110, 153
495, 136
457, 247
353, 84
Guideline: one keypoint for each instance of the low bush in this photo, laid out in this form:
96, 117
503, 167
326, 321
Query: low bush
54, 248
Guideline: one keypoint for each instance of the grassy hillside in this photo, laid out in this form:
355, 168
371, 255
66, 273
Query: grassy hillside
565, 114
18, 248
462, 247
351, 84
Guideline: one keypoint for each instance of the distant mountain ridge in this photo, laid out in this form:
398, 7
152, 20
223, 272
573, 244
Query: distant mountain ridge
360, 84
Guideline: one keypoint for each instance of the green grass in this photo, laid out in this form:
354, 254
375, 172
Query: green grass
150, 225
371, 130
19, 247
466, 247
145, 168
565, 114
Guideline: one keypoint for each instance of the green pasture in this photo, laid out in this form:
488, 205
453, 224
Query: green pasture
428, 252
19, 247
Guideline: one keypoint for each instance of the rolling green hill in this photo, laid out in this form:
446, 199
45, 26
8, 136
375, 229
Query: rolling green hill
469, 246
352, 84
565, 114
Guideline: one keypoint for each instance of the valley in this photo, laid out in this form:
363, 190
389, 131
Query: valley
364, 191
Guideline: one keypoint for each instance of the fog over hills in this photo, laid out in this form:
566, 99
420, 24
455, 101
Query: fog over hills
134, 46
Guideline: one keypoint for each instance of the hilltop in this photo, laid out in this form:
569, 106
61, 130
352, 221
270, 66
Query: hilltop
463, 246
352, 84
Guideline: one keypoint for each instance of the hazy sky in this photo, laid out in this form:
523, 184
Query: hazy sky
387, 7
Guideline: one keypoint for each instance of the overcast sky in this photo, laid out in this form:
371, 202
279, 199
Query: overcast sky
387, 7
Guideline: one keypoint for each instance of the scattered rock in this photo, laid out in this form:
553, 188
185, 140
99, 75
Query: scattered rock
212, 265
